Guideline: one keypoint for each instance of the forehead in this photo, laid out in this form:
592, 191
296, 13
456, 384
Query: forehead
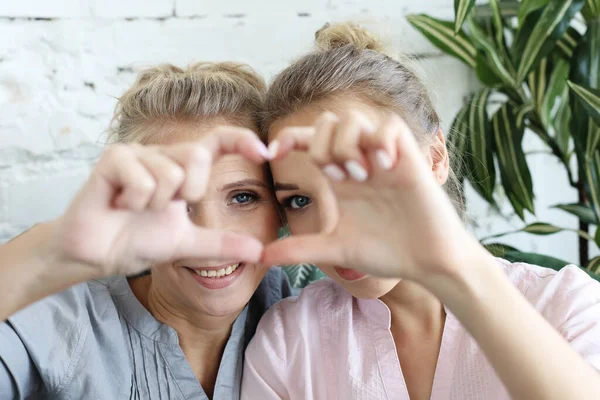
228, 168
340, 105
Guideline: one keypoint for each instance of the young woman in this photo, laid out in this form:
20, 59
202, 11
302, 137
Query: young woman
182, 193
415, 307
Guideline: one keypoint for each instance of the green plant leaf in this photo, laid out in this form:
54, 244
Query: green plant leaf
508, 9
541, 228
597, 236
590, 99
561, 127
442, 35
591, 10
555, 91
534, 42
504, 72
591, 171
528, 6
514, 172
566, 45
581, 211
482, 172
498, 26
462, 8
594, 265
537, 80
585, 71
484, 72
499, 249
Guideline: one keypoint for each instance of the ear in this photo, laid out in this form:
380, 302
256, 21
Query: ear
440, 160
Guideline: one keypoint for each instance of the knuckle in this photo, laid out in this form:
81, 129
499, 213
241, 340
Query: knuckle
116, 152
174, 175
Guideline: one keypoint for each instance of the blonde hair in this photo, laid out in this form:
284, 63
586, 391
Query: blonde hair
350, 60
200, 92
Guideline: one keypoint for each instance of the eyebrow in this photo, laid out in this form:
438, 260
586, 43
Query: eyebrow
245, 183
285, 186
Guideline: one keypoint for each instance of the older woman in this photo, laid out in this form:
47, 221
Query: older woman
182, 194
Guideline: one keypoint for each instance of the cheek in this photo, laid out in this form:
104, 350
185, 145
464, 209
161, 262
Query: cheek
367, 288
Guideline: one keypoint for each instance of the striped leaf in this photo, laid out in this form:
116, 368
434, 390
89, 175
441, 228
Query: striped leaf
498, 249
514, 171
500, 66
591, 10
585, 71
537, 81
561, 128
442, 35
594, 265
591, 172
541, 228
498, 26
462, 8
534, 42
555, 92
581, 211
589, 98
566, 45
508, 9
480, 141
597, 236
529, 6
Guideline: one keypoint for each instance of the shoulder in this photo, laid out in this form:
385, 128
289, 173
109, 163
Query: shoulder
558, 295
297, 315
55, 331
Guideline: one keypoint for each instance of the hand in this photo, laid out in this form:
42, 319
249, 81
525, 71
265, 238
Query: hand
394, 219
132, 213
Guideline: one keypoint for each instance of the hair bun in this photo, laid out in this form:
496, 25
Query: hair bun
333, 36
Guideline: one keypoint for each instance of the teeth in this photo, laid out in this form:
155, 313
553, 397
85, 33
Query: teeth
217, 273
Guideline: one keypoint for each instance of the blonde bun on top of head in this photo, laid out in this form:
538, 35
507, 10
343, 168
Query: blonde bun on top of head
333, 36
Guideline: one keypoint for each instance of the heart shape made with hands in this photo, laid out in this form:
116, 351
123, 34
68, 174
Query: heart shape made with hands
394, 219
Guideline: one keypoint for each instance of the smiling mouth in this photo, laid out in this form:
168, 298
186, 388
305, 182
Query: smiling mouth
215, 273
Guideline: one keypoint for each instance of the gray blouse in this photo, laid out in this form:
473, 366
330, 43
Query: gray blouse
96, 341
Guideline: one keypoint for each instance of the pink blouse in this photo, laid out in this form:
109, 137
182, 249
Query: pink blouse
325, 344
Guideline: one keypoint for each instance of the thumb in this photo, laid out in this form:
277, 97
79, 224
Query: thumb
212, 244
313, 249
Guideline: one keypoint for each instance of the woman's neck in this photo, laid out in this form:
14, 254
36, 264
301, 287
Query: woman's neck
202, 337
417, 327
414, 308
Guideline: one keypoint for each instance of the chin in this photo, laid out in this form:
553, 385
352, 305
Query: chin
367, 287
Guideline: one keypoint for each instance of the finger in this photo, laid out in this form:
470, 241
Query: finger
167, 174
315, 249
406, 143
384, 143
296, 138
211, 244
196, 161
321, 142
120, 166
345, 145
235, 140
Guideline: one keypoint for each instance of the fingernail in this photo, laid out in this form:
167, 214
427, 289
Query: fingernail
273, 149
262, 150
334, 172
356, 171
384, 160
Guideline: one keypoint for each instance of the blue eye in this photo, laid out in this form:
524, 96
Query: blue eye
298, 202
243, 198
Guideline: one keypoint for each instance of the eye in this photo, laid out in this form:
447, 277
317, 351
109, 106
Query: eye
297, 202
243, 198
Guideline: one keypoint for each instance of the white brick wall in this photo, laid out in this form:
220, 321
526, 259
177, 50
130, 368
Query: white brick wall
62, 63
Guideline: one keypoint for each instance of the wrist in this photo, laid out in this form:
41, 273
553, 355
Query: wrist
466, 279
